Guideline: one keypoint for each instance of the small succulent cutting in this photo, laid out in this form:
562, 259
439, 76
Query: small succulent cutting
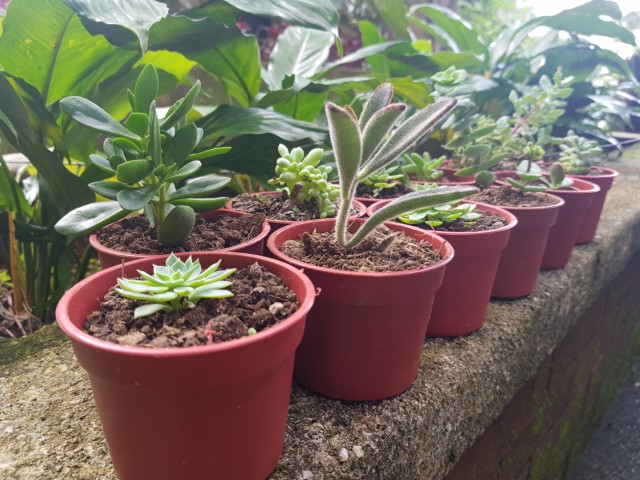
304, 179
364, 144
381, 180
529, 173
422, 167
440, 214
147, 157
177, 285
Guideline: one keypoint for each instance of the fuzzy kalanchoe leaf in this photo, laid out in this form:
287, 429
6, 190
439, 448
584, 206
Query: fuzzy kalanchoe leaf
147, 156
303, 176
177, 285
355, 161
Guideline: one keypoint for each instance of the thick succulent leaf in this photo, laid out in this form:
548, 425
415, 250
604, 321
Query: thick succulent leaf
108, 190
346, 142
183, 108
181, 145
411, 130
112, 16
298, 52
200, 187
146, 89
102, 163
133, 171
138, 123
380, 98
409, 202
202, 204
148, 309
465, 140
209, 293
138, 286
489, 164
185, 171
137, 198
378, 127
211, 152
155, 141
90, 218
91, 115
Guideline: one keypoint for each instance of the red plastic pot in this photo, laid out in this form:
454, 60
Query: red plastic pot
109, 257
603, 177
520, 260
277, 224
564, 233
365, 334
462, 301
197, 412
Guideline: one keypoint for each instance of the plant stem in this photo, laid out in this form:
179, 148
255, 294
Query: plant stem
13, 249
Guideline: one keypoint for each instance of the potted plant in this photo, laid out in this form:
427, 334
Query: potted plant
578, 156
148, 158
478, 234
305, 191
536, 212
191, 366
365, 335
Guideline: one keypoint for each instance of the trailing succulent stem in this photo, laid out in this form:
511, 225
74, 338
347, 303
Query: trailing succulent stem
148, 157
529, 173
366, 144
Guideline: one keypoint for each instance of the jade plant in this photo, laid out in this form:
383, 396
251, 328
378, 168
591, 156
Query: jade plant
148, 158
578, 154
364, 144
177, 285
304, 179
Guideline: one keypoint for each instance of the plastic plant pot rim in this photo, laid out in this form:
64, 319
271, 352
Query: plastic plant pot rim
447, 251
77, 334
589, 187
360, 207
559, 201
609, 173
483, 207
128, 256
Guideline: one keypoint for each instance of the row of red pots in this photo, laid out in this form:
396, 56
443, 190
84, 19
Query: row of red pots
363, 341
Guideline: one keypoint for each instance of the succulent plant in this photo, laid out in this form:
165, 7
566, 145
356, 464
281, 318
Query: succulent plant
578, 154
148, 157
440, 214
304, 179
529, 173
383, 179
177, 285
364, 144
422, 167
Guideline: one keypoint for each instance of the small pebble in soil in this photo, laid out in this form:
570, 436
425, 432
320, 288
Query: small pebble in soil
344, 455
307, 475
358, 451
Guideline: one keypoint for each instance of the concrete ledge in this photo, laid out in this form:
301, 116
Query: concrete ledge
49, 428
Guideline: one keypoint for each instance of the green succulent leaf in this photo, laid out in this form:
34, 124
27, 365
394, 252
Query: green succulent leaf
155, 140
181, 110
148, 309
102, 163
134, 170
146, 89
202, 204
138, 123
186, 171
89, 218
127, 146
116, 160
380, 98
91, 115
464, 140
212, 152
181, 145
200, 187
378, 127
137, 198
108, 190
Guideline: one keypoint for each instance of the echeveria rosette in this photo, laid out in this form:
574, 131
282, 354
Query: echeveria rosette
365, 144
148, 157
422, 167
177, 285
578, 154
305, 179
440, 214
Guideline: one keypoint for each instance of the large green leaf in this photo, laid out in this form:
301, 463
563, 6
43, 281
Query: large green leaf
394, 14
451, 27
224, 52
90, 218
228, 121
69, 60
320, 14
115, 15
299, 51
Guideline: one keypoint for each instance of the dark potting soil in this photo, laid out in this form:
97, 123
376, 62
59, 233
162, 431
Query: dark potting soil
260, 301
505, 196
321, 249
398, 190
488, 221
272, 207
134, 235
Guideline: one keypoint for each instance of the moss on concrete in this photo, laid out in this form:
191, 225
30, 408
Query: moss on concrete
49, 428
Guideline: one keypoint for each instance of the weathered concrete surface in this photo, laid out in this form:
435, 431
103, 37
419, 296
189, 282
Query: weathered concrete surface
47, 419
